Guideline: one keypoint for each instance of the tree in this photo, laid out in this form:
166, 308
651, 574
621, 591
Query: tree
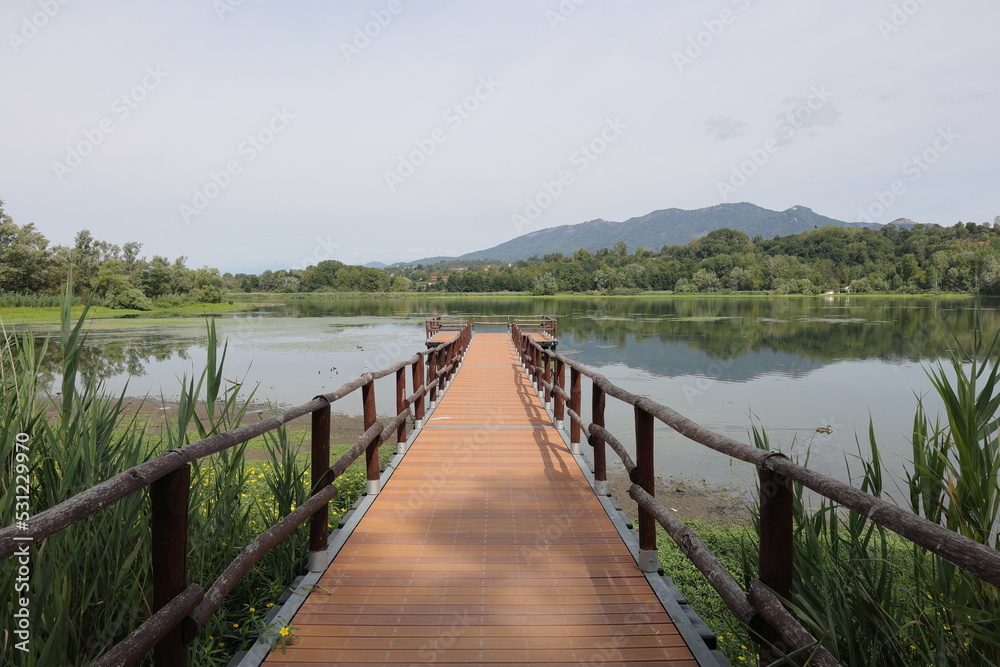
112, 285
24, 256
706, 281
545, 285
208, 286
154, 279
740, 279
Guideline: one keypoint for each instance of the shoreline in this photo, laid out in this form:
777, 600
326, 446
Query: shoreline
687, 497
248, 301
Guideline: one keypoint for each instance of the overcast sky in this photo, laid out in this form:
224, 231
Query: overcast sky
248, 134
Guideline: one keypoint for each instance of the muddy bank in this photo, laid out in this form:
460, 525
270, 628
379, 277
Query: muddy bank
688, 498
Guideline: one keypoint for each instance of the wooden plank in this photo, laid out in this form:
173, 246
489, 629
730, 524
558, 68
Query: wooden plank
486, 546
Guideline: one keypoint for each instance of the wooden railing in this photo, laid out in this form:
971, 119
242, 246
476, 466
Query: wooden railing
436, 325
760, 607
540, 323
181, 610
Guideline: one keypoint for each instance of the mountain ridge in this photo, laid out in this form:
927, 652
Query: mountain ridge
663, 227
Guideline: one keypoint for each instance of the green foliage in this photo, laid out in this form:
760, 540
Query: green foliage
875, 599
922, 258
30, 300
90, 583
870, 596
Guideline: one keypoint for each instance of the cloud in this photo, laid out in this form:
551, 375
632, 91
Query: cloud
721, 128
806, 115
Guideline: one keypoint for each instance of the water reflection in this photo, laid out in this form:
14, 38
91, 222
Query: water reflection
794, 363
818, 329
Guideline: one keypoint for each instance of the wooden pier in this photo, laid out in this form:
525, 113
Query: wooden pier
486, 546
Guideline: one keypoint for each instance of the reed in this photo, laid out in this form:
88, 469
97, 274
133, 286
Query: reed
91, 584
873, 598
26, 300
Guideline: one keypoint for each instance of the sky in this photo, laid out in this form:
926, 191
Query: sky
246, 134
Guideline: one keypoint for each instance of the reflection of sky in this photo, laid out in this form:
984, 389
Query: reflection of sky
291, 359
670, 359
296, 358
790, 408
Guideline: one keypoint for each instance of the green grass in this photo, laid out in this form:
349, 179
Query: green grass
869, 596
90, 584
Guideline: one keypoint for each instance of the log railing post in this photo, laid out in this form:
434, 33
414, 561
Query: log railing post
319, 523
400, 406
168, 498
776, 553
432, 376
547, 386
536, 364
559, 404
575, 396
371, 453
598, 400
418, 383
648, 558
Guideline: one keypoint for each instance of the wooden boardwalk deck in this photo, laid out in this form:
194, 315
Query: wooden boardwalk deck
486, 546
448, 336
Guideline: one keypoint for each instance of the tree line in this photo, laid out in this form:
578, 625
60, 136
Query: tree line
922, 258
103, 272
963, 258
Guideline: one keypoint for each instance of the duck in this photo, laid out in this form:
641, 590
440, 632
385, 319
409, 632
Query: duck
825, 429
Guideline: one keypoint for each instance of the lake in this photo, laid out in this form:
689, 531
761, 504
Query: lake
789, 364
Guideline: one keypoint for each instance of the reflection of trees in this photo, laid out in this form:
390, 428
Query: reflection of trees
726, 327
729, 328
108, 358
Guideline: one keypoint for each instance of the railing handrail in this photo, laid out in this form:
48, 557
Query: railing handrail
90, 501
191, 601
925, 533
542, 323
977, 559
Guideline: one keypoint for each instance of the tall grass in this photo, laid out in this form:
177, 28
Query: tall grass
873, 598
91, 583
25, 300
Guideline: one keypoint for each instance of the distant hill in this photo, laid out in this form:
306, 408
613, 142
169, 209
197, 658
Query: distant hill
376, 265
672, 226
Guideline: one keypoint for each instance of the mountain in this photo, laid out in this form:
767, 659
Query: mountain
672, 226
376, 265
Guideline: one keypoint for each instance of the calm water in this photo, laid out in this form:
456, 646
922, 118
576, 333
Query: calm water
790, 364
